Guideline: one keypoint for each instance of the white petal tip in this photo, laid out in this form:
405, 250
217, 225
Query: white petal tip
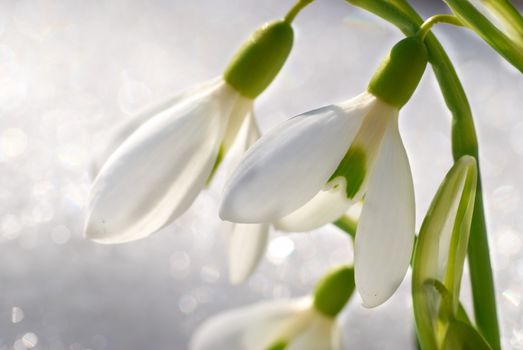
246, 248
372, 301
228, 213
236, 279
99, 234
224, 214
96, 237
375, 293
325, 207
237, 275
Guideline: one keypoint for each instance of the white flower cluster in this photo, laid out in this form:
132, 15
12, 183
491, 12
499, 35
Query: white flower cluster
303, 174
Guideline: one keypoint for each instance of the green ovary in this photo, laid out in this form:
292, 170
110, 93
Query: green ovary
353, 169
334, 291
280, 345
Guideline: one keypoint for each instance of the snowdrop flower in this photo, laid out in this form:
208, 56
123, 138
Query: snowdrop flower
438, 261
158, 163
304, 324
308, 171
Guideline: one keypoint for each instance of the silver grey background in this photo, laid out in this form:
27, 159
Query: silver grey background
71, 69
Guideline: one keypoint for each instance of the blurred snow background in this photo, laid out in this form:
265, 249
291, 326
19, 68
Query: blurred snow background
71, 69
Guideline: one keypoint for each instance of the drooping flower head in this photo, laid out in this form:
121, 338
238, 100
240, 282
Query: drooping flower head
308, 171
156, 164
297, 324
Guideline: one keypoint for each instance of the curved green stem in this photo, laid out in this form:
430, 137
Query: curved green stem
333, 291
511, 50
293, 12
447, 19
347, 224
464, 141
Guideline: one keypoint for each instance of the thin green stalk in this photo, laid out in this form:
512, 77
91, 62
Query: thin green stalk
347, 224
293, 12
505, 46
464, 141
430, 22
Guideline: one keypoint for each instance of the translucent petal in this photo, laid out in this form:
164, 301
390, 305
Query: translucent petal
158, 171
332, 202
247, 244
253, 327
237, 139
319, 334
385, 233
237, 121
114, 137
291, 164
245, 138
327, 206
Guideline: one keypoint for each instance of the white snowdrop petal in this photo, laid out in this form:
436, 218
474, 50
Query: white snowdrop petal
223, 331
158, 171
251, 327
385, 233
247, 244
326, 207
336, 339
254, 131
282, 321
319, 334
291, 163
237, 122
245, 138
115, 136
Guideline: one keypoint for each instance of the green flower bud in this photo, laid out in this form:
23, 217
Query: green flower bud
334, 290
260, 59
281, 345
440, 252
462, 336
400, 72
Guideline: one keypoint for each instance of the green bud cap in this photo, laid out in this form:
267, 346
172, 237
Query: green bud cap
334, 291
260, 59
281, 345
400, 72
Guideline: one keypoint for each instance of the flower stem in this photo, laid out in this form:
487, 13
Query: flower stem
347, 224
510, 49
427, 25
464, 141
293, 12
333, 291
